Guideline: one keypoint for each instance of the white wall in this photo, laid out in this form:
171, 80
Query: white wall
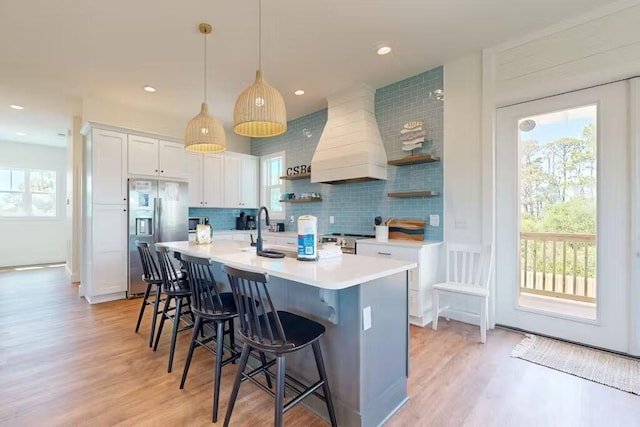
73, 219
34, 241
462, 164
109, 113
463, 150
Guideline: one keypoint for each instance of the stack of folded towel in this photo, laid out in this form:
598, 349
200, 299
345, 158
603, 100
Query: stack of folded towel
329, 251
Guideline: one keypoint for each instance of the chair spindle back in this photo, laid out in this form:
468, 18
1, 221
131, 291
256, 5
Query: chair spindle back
259, 320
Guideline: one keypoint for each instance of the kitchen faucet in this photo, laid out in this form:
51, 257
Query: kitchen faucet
259, 250
266, 218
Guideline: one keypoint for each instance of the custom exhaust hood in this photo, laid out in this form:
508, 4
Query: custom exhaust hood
350, 147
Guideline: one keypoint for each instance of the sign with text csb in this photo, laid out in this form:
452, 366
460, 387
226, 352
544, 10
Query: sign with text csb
296, 170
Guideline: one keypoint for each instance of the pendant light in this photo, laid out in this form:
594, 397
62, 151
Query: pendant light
204, 133
260, 111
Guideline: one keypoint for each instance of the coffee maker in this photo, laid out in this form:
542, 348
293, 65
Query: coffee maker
241, 221
251, 222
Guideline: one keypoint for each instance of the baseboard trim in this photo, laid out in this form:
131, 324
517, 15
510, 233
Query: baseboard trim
461, 316
73, 277
97, 299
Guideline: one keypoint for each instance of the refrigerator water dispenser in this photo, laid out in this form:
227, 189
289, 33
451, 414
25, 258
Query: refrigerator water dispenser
144, 227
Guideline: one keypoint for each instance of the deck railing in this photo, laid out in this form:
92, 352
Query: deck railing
561, 265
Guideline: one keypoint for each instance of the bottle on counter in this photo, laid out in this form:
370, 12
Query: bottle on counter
307, 238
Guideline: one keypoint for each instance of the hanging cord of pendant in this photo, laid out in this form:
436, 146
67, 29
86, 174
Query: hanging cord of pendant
205, 67
259, 34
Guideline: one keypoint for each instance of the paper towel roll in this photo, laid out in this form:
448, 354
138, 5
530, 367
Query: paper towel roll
382, 233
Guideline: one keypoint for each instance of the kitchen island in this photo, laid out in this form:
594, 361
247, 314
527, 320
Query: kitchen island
363, 304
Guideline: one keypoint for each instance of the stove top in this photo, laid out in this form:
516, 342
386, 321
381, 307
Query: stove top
358, 236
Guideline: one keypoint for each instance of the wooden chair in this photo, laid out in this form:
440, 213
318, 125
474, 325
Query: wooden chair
209, 306
468, 270
276, 333
152, 277
176, 288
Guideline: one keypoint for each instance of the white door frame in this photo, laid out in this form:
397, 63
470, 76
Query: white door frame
612, 327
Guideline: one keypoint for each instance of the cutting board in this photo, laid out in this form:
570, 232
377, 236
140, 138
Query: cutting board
408, 229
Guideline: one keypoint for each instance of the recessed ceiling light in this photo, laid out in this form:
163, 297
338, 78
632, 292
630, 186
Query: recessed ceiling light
16, 107
148, 88
299, 92
384, 50
20, 133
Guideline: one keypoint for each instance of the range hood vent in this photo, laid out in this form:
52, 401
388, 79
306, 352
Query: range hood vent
350, 148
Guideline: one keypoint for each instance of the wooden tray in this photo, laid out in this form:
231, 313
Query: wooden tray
408, 229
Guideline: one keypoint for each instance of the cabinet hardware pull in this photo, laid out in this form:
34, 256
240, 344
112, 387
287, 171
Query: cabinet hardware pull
161, 171
384, 253
124, 210
156, 170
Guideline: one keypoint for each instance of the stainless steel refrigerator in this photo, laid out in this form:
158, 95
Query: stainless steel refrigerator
158, 212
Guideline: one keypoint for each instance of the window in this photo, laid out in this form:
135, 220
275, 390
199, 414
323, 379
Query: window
27, 193
272, 187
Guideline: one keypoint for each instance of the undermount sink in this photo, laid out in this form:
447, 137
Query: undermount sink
270, 254
276, 251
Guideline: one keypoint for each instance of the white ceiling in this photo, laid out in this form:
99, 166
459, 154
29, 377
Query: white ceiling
54, 53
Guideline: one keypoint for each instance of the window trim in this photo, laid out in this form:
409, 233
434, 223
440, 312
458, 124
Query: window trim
27, 196
263, 180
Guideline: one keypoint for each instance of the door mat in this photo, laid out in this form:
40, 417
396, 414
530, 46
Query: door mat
599, 366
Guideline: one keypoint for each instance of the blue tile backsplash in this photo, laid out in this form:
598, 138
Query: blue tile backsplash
355, 205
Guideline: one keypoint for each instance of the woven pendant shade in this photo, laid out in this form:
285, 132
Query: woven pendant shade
205, 134
260, 111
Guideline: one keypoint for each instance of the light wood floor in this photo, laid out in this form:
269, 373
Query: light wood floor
64, 362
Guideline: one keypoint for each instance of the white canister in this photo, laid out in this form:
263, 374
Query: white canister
307, 238
382, 233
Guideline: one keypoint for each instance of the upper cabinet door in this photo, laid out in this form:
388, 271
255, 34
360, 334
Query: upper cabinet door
172, 158
232, 181
213, 183
249, 182
143, 156
109, 167
194, 176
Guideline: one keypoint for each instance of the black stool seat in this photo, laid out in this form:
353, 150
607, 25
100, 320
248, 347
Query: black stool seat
210, 311
177, 289
299, 330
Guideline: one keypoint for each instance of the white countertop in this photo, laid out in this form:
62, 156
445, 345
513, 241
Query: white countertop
400, 242
255, 233
332, 273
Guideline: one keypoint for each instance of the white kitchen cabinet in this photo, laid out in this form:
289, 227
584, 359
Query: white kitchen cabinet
171, 160
158, 158
109, 251
108, 167
213, 167
206, 180
194, 177
143, 155
241, 181
428, 257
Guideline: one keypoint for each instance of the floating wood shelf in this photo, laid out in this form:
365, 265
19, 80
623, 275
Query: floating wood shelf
307, 200
296, 176
414, 194
414, 160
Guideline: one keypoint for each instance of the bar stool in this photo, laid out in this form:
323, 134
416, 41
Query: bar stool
151, 276
277, 333
209, 306
175, 287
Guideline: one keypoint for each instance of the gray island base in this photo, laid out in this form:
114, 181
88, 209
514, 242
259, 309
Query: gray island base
367, 369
